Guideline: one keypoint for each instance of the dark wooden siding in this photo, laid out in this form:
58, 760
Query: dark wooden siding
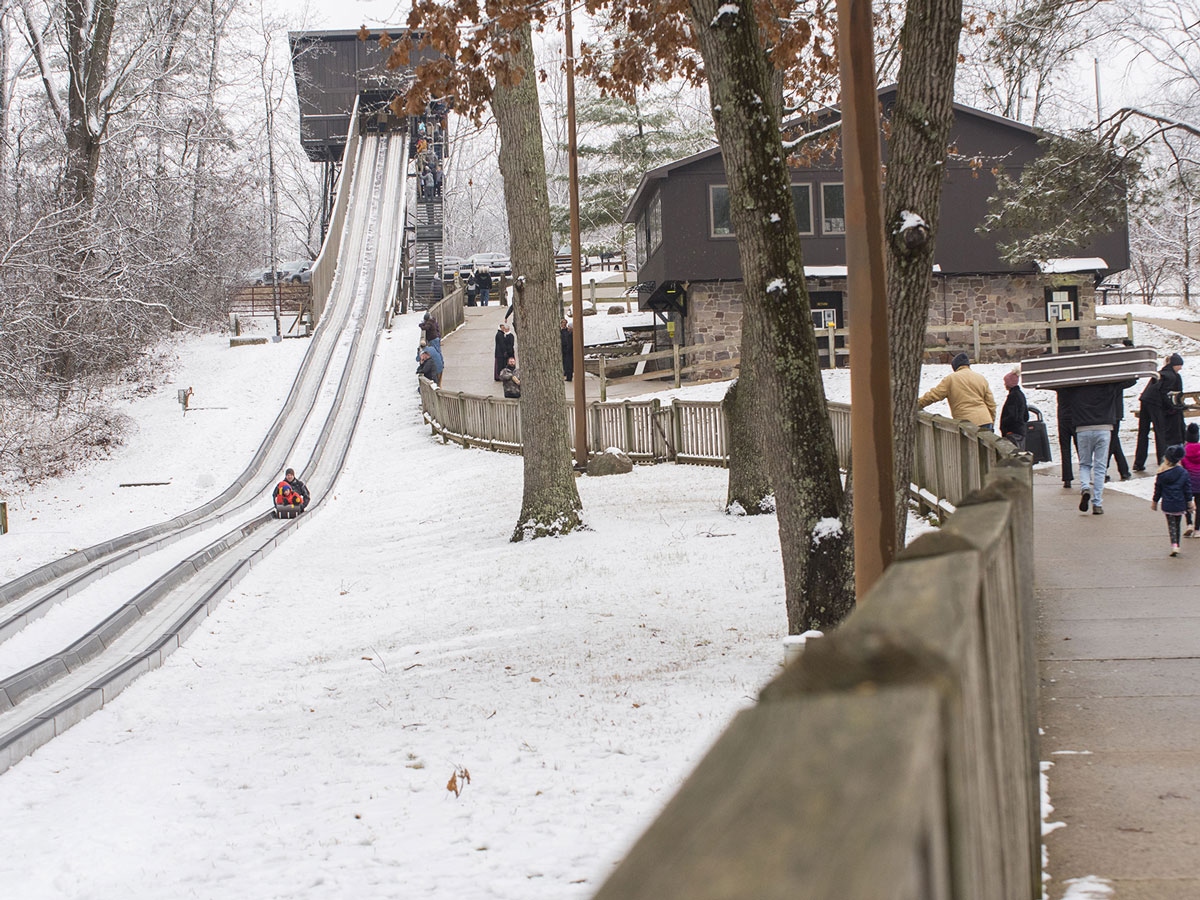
331, 69
690, 253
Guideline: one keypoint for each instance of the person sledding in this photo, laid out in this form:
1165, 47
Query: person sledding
291, 494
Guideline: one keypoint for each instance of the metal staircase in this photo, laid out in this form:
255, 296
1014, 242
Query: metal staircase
425, 251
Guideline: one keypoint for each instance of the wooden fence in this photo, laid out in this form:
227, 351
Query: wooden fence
976, 335
952, 457
259, 300
896, 759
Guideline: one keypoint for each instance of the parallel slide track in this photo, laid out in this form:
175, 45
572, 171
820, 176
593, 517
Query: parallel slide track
177, 571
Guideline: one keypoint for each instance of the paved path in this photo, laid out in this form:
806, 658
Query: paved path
1119, 657
1179, 326
470, 351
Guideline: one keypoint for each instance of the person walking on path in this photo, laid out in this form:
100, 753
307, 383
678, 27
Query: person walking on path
511, 376
472, 288
967, 392
1066, 441
1014, 417
1170, 382
567, 338
1092, 409
1191, 465
484, 279
1173, 487
505, 347
1115, 451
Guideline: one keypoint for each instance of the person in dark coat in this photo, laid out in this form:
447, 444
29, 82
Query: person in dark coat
1066, 440
432, 330
567, 338
292, 485
428, 367
1115, 451
1014, 416
1173, 487
1150, 416
1170, 382
511, 376
484, 278
505, 347
472, 288
1093, 413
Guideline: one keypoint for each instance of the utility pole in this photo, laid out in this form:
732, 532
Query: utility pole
581, 453
870, 359
1096, 72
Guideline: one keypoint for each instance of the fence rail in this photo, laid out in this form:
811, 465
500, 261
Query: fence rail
952, 457
896, 758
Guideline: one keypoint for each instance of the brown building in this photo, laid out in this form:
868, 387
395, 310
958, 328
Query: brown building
688, 264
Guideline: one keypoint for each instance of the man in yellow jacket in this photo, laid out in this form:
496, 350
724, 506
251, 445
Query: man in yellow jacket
968, 393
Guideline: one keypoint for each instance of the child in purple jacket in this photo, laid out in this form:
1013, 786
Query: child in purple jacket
1191, 464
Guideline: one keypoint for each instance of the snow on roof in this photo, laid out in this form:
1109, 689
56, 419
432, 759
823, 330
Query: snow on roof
825, 272
1071, 264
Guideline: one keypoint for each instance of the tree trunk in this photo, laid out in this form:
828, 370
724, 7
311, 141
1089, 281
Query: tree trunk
551, 501
801, 457
920, 128
749, 483
89, 35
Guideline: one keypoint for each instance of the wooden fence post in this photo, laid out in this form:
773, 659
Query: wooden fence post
1129, 326
603, 382
975, 338
830, 329
676, 428
675, 361
1054, 335
628, 448
3, 517
592, 292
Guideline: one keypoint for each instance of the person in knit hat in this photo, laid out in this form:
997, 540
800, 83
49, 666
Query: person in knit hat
1170, 382
968, 393
1191, 465
1014, 417
1174, 488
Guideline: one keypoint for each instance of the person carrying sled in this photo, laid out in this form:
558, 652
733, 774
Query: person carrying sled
291, 491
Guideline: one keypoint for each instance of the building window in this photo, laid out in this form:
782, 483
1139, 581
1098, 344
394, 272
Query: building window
722, 222
654, 224
802, 202
718, 209
833, 209
639, 240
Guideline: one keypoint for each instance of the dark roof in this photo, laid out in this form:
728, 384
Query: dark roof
825, 113
331, 69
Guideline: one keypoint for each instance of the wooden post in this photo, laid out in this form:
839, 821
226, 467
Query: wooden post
870, 371
675, 361
1129, 326
975, 338
3, 517
830, 330
592, 293
1054, 335
628, 426
603, 381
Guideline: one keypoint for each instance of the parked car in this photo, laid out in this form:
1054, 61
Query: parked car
496, 263
263, 276
452, 265
297, 272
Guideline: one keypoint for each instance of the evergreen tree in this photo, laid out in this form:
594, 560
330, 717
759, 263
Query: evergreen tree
629, 139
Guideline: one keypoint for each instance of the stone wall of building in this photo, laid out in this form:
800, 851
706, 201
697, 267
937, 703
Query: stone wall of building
715, 314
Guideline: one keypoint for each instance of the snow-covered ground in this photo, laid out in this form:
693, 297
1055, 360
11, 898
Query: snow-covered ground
236, 394
301, 743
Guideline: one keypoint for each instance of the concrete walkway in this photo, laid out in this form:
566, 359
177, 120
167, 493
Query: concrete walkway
1179, 326
1119, 658
470, 351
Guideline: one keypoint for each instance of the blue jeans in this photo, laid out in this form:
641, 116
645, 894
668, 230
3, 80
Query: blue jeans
1093, 461
483, 296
